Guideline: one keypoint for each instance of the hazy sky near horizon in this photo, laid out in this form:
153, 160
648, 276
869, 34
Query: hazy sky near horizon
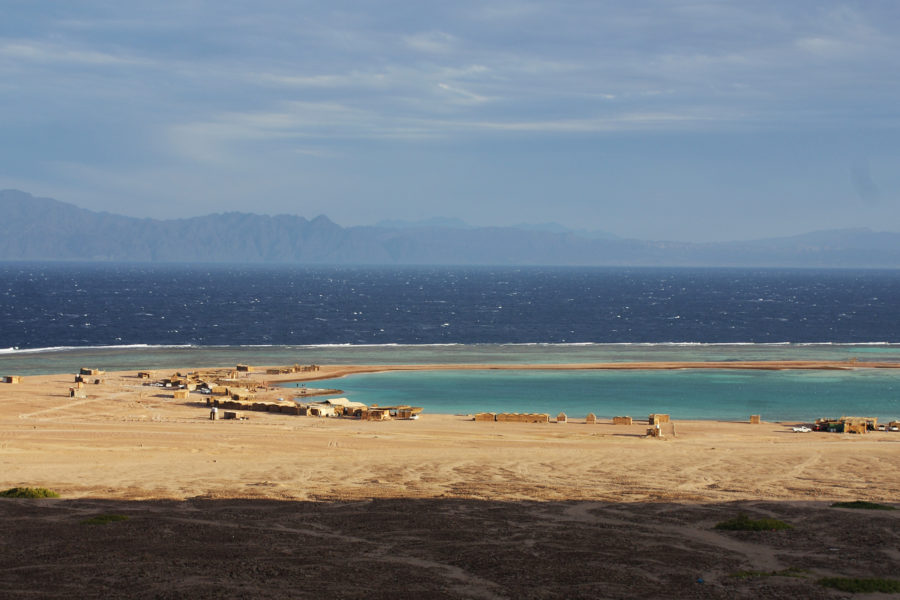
701, 120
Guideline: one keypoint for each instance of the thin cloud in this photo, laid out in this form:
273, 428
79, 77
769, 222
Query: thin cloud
58, 54
464, 95
863, 184
205, 87
433, 42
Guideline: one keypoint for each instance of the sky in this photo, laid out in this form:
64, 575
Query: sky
690, 121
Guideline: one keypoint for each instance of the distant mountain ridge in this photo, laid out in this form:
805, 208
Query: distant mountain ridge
34, 228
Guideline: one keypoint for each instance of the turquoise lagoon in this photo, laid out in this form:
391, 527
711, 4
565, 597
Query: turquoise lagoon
686, 394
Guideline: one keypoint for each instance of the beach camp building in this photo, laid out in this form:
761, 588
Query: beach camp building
847, 424
240, 394
403, 412
354, 409
523, 418
12, 379
859, 424
320, 409
345, 407
376, 414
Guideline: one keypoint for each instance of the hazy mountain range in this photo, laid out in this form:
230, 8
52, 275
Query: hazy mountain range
34, 228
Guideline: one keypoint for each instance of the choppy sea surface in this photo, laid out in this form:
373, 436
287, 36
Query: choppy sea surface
58, 317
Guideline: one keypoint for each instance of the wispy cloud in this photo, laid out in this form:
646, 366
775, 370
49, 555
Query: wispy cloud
464, 95
42, 52
170, 89
434, 42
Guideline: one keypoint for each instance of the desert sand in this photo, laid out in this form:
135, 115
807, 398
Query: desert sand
439, 507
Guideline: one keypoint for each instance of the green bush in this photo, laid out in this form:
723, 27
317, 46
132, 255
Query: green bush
104, 519
862, 504
862, 584
744, 523
28, 492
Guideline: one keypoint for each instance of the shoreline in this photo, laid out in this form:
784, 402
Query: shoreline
124, 440
337, 371
459, 509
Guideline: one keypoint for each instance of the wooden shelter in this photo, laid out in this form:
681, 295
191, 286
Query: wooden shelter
12, 379
562, 418
377, 414
755, 419
847, 424
590, 419
345, 407
623, 421
403, 412
320, 410
486, 417
656, 419
523, 418
859, 424
240, 394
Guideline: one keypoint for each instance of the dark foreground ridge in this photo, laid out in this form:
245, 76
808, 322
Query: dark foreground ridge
434, 548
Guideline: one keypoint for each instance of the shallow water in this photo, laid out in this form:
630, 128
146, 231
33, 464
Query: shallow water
685, 394
118, 358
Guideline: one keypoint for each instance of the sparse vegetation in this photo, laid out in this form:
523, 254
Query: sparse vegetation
862, 584
744, 523
789, 572
862, 504
27, 492
104, 519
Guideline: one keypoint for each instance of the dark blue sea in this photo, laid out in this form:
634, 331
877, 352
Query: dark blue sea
57, 317
52, 305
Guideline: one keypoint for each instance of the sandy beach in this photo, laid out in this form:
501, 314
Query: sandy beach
133, 449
